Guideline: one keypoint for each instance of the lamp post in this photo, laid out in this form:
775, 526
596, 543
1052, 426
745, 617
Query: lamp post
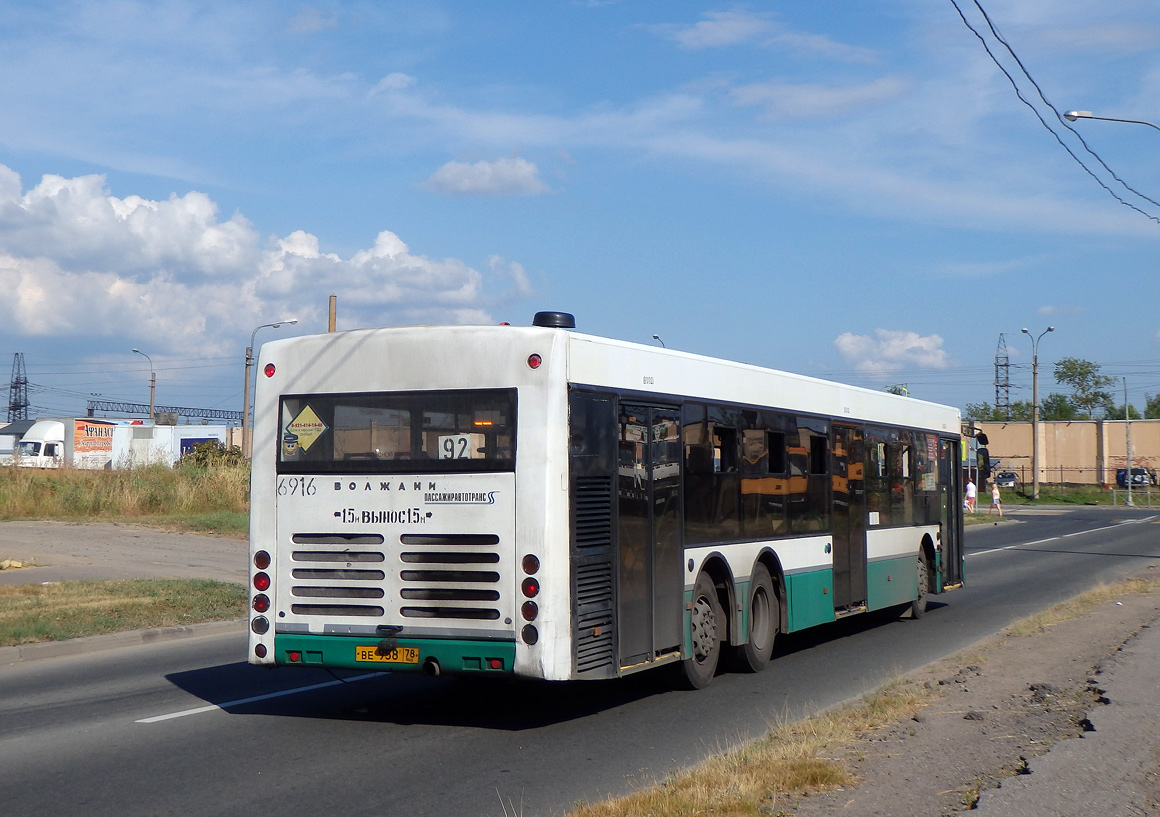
246, 443
1035, 409
1071, 116
152, 381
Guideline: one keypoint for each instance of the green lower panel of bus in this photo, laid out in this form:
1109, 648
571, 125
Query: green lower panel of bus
891, 581
810, 599
396, 655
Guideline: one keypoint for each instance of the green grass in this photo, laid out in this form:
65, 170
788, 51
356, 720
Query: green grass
30, 613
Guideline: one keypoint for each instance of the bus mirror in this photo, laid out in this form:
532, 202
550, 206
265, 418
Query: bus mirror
984, 463
981, 438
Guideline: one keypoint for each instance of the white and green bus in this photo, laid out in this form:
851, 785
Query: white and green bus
537, 502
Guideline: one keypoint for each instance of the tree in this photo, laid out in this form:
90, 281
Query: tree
1089, 388
1152, 408
981, 413
1057, 407
1021, 410
1114, 412
986, 413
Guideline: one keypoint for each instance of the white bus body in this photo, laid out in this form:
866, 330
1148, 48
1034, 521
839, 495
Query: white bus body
575, 507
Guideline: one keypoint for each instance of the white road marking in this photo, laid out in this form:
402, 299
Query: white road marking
1063, 536
199, 710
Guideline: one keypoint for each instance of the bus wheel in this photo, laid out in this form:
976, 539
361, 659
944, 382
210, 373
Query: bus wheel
764, 622
706, 628
918, 606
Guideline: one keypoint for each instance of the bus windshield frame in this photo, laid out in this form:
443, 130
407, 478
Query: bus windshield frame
411, 432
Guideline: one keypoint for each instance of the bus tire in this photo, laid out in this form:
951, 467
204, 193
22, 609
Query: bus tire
707, 626
918, 606
764, 622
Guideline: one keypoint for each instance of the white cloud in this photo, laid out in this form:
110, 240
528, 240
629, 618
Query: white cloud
1059, 311
396, 81
719, 29
891, 350
77, 261
310, 20
503, 177
786, 100
520, 285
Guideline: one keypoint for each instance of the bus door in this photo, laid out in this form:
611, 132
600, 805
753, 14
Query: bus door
950, 485
849, 506
650, 592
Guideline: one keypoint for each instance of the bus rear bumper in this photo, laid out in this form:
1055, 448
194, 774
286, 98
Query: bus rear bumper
429, 655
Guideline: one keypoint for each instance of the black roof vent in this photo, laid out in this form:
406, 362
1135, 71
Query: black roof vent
555, 320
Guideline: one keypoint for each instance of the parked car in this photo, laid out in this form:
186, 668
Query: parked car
1007, 479
1140, 476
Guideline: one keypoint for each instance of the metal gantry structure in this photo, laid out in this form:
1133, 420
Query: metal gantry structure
1002, 379
18, 390
121, 407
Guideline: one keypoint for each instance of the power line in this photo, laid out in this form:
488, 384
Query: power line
1054, 110
1043, 121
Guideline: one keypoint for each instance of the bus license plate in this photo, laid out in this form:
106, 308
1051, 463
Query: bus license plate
395, 655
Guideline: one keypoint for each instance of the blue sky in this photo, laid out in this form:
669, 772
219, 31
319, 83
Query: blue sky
847, 190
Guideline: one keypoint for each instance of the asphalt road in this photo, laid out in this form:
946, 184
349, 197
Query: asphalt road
186, 727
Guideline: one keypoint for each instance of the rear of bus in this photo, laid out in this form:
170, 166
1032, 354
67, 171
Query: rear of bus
402, 498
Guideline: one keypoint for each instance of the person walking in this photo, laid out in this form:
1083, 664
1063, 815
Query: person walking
996, 502
972, 495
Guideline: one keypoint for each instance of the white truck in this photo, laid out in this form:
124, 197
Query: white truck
78, 442
42, 446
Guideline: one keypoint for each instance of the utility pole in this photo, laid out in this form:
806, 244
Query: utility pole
1128, 440
1035, 408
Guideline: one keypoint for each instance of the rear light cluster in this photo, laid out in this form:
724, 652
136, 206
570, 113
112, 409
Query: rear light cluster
531, 588
259, 624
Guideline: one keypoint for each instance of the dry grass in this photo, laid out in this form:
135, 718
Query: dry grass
1082, 604
53, 612
67, 493
791, 759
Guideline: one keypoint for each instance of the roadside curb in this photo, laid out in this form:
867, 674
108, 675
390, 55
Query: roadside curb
99, 643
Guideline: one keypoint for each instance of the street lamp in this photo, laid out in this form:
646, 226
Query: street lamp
1035, 409
152, 381
246, 391
1071, 116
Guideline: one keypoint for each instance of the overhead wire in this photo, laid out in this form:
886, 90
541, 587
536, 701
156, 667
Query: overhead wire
1055, 110
1042, 121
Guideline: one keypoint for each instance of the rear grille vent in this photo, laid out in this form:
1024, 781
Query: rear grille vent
458, 539
337, 539
335, 610
336, 574
452, 581
593, 512
439, 576
338, 582
594, 646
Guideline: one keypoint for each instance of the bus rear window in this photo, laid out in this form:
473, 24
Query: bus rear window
398, 432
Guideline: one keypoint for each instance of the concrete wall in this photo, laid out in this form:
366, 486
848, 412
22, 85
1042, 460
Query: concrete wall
1078, 452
